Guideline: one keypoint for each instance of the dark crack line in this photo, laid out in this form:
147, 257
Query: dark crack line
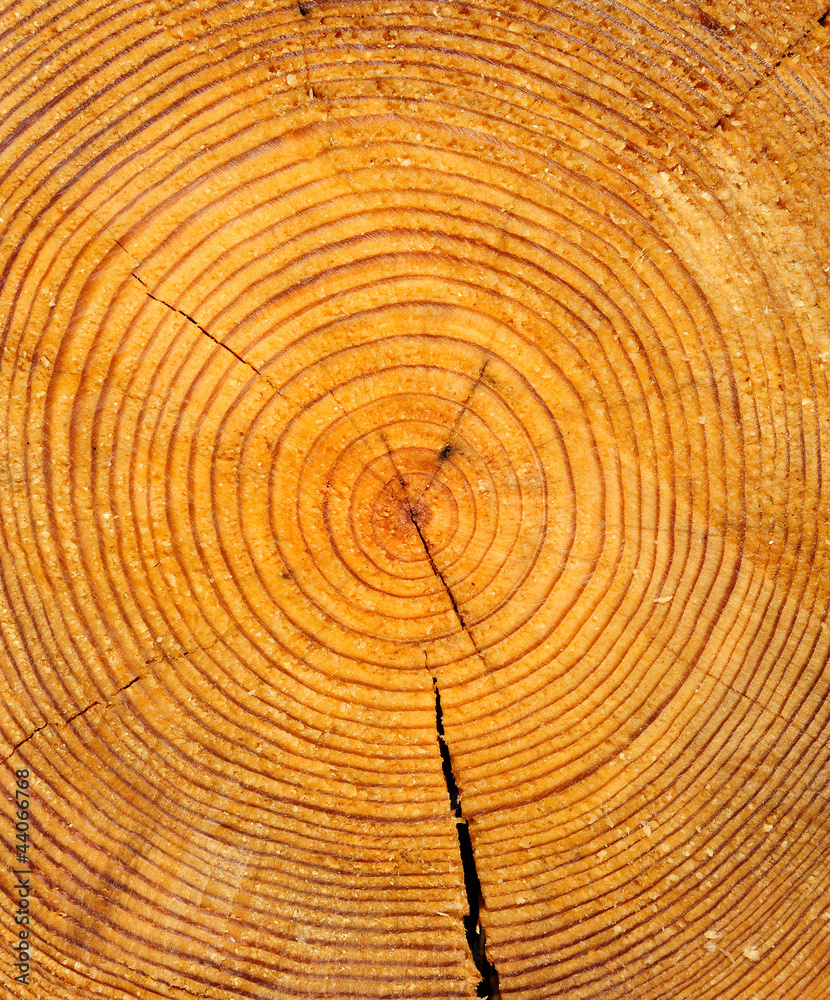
198, 326
435, 569
771, 72
446, 451
411, 511
175, 657
72, 718
31, 735
438, 573
489, 985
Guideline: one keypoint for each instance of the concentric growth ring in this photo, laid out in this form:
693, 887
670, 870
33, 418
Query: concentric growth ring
401, 403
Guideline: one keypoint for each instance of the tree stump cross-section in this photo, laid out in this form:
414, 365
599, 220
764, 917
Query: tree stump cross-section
414, 568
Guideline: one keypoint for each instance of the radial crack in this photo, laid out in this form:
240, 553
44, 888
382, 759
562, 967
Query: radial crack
489, 985
65, 722
198, 326
789, 51
438, 572
410, 509
446, 451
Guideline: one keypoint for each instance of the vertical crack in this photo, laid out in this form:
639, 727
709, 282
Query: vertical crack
489, 985
410, 508
414, 518
438, 573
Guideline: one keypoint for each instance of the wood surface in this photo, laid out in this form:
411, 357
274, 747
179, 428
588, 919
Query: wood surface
384, 382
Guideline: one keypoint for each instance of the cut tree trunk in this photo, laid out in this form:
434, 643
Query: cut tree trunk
414, 514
